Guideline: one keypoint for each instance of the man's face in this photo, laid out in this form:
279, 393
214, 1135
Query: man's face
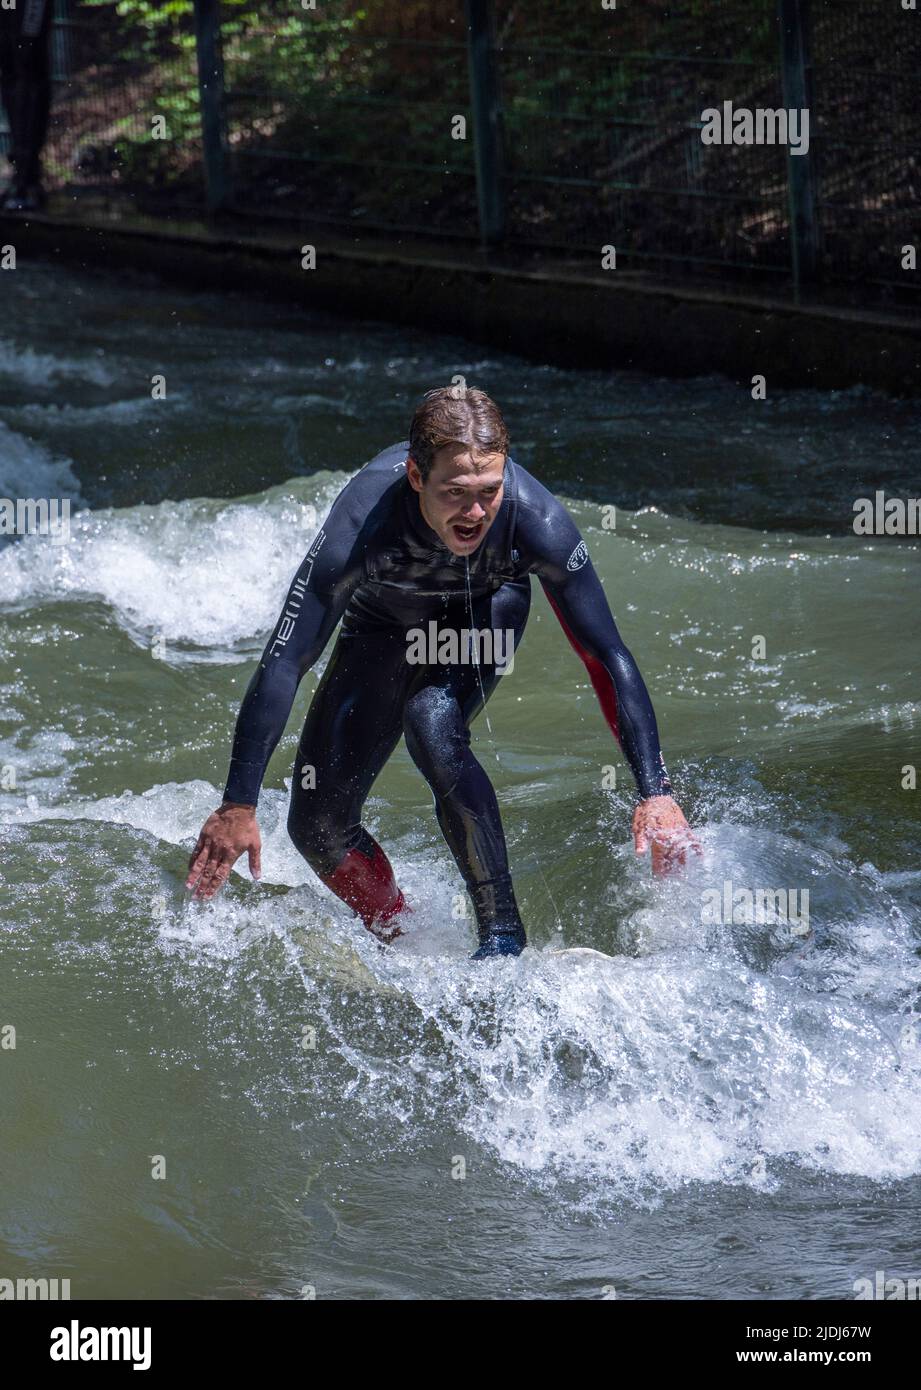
462, 496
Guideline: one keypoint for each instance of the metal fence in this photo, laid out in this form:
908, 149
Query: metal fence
558, 125
126, 116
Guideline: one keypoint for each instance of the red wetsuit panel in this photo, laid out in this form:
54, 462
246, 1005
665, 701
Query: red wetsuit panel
598, 674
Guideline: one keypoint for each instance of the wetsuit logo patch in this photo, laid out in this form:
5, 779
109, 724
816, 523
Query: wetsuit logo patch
578, 557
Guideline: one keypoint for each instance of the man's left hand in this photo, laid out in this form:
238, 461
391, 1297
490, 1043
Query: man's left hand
659, 821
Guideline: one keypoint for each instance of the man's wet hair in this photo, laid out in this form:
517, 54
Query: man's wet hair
458, 414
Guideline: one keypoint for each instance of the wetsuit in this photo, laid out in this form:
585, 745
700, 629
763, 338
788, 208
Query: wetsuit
25, 84
378, 565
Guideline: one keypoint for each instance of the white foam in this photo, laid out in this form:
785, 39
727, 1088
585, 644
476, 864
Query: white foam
709, 1055
119, 413
203, 572
703, 1055
28, 469
41, 369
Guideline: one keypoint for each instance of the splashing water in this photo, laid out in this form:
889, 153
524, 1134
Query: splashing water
720, 1103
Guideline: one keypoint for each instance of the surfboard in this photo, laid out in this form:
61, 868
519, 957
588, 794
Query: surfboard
334, 960
586, 952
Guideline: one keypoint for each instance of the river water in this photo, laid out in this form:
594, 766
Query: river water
250, 1098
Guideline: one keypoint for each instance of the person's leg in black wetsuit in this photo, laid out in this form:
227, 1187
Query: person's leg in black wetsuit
25, 88
368, 696
437, 719
353, 724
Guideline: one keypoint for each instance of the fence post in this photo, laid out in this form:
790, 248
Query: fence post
487, 119
61, 43
796, 80
211, 96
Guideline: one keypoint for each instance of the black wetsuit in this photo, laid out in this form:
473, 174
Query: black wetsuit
378, 565
25, 84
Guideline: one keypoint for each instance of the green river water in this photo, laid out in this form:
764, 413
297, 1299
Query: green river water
719, 1111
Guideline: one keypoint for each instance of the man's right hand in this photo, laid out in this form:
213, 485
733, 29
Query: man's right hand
225, 835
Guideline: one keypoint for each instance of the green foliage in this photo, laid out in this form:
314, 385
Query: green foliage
339, 81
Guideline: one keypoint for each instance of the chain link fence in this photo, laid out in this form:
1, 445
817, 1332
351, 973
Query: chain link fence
866, 74
566, 127
125, 120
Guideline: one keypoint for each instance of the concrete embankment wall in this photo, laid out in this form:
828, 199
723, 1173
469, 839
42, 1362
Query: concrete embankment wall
552, 311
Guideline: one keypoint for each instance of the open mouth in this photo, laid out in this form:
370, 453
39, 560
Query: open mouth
467, 534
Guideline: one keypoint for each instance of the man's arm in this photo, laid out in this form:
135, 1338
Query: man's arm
561, 561
317, 598
310, 613
582, 609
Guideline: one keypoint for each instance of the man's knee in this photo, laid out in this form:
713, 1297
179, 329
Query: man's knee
318, 834
436, 738
299, 828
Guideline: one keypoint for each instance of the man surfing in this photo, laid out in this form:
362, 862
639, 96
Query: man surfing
444, 528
